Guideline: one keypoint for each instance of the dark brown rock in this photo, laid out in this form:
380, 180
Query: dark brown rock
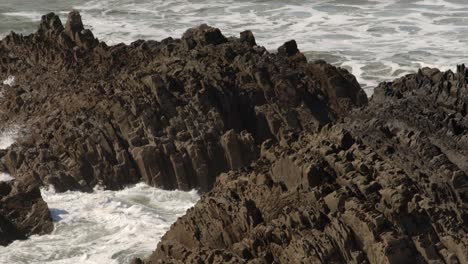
174, 113
74, 24
22, 212
289, 48
388, 184
248, 37
204, 35
297, 167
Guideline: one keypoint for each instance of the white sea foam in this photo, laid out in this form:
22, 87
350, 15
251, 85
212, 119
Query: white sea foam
35, 16
102, 227
5, 177
10, 80
8, 137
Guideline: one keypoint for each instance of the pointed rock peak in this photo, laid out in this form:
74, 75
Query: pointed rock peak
462, 69
248, 37
74, 23
51, 22
74, 28
289, 48
205, 35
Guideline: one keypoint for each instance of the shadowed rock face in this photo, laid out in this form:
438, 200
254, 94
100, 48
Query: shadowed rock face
22, 212
388, 184
174, 113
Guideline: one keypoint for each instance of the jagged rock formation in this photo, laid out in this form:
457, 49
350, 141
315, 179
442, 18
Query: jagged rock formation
304, 177
22, 212
174, 113
388, 184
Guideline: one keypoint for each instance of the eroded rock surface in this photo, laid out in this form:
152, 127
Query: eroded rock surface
174, 113
309, 173
388, 184
23, 212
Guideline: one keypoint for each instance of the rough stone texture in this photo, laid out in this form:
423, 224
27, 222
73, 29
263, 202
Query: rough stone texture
22, 212
388, 184
174, 113
306, 175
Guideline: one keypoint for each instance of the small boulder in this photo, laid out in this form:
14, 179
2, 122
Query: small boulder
22, 212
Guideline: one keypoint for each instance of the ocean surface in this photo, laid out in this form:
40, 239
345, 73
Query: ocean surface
376, 40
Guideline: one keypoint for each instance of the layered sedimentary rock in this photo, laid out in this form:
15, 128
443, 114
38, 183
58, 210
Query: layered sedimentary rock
22, 212
388, 184
174, 113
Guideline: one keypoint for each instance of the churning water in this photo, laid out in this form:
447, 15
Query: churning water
102, 227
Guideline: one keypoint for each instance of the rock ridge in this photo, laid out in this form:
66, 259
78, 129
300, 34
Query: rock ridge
386, 184
297, 166
174, 113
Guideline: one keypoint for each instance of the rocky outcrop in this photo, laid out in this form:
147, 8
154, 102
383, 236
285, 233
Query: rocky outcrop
22, 212
174, 113
310, 172
388, 184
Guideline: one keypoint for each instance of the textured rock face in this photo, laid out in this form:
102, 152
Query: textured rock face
22, 212
174, 113
309, 173
388, 184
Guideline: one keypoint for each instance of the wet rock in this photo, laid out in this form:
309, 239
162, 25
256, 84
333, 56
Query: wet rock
22, 212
